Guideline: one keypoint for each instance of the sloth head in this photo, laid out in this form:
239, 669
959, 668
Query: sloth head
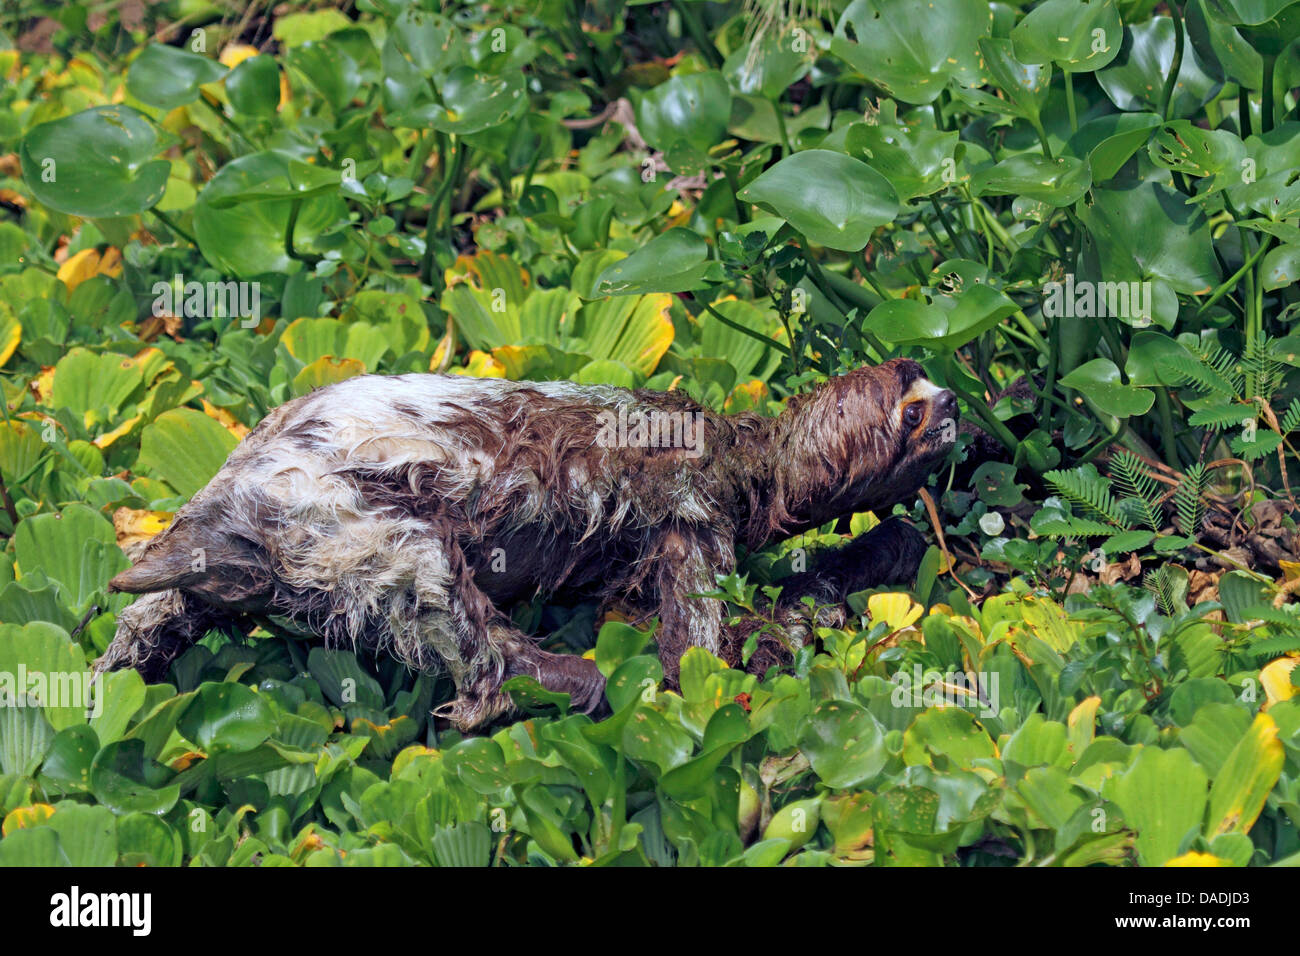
865, 440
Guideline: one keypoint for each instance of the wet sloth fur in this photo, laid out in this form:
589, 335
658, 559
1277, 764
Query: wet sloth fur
406, 513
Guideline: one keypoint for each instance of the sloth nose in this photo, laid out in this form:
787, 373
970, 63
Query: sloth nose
945, 405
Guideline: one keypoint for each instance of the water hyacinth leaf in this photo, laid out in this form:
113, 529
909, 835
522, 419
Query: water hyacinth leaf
254, 86
844, 743
471, 102
1026, 85
1108, 142
769, 66
145, 840
480, 764
87, 834
694, 107
76, 547
167, 77
330, 69
185, 448
1149, 232
917, 162
1101, 384
1135, 79
123, 779
1058, 182
674, 261
911, 57
1281, 267
66, 768
1077, 35
247, 238
430, 39
947, 322
834, 200
226, 718
98, 163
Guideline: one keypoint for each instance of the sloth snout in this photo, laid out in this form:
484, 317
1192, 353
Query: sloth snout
945, 406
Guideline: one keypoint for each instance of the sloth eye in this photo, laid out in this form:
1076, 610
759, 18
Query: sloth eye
913, 414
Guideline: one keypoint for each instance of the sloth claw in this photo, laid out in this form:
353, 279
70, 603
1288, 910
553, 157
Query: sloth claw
564, 674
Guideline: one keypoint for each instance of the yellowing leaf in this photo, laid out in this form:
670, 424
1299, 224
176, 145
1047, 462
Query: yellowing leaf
106, 439
237, 53
133, 526
227, 420
894, 608
11, 332
25, 817
1243, 783
482, 365
746, 396
1082, 724
1194, 858
87, 264
1276, 678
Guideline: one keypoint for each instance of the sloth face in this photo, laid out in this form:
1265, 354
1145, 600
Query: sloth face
927, 418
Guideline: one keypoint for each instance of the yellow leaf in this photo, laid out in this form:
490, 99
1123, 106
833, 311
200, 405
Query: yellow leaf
746, 396
236, 54
25, 817
482, 365
227, 420
133, 526
106, 439
43, 384
1194, 858
1276, 678
11, 332
897, 610
1243, 782
1082, 724
87, 264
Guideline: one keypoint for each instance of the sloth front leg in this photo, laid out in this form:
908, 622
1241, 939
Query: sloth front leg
689, 562
481, 650
156, 629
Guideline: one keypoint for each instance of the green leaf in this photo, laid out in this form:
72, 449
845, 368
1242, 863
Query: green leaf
946, 323
911, 57
1163, 797
97, 163
692, 107
673, 261
168, 77
1058, 182
844, 744
1100, 382
1135, 79
227, 718
1065, 32
254, 86
185, 448
833, 199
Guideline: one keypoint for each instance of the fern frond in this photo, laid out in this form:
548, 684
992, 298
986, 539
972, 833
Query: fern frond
1084, 487
1291, 419
1219, 417
1188, 505
1160, 583
1261, 367
1135, 481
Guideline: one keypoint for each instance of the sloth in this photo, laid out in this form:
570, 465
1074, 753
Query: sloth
408, 513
